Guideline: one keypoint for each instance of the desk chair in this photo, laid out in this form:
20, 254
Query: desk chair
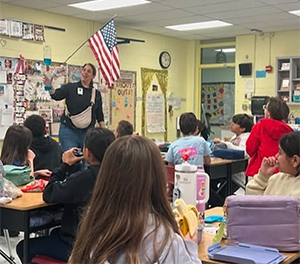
9, 258
40, 259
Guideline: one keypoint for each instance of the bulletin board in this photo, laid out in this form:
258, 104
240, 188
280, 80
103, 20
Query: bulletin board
123, 99
218, 100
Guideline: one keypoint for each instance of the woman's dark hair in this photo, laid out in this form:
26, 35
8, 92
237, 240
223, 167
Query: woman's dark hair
290, 144
200, 126
97, 141
130, 188
187, 123
15, 145
244, 121
92, 66
278, 109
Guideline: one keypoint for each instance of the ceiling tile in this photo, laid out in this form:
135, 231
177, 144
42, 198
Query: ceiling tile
191, 3
283, 22
139, 9
36, 4
223, 7
274, 2
161, 15
281, 28
245, 12
66, 2
289, 7
65, 10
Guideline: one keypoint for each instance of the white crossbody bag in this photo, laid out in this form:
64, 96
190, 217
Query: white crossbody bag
84, 118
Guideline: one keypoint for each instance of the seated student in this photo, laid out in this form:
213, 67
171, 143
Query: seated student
124, 128
199, 127
241, 126
287, 181
47, 151
15, 149
74, 191
195, 147
265, 135
206, 131
134, 224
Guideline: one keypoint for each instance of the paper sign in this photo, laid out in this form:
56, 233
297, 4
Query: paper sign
249, 85
261, 74
7, 115
3, 78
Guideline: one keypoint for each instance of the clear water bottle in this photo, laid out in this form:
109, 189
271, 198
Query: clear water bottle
47, 62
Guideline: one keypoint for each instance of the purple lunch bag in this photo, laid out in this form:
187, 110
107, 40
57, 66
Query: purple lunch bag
265, 220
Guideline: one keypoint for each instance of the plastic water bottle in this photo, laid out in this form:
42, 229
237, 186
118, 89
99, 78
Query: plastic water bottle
47, 62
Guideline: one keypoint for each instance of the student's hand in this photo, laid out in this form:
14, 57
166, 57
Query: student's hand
216, 140
268, 165
42, 173
188, 237
69, 157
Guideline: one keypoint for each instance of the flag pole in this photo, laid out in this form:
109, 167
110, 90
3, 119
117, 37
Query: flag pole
87, 40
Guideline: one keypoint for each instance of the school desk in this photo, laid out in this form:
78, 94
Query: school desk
224, 168
207, 241
16, 216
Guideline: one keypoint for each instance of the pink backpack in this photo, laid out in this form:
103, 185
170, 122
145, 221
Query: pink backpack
271, 221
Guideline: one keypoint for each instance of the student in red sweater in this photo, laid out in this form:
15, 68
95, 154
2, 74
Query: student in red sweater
264, 137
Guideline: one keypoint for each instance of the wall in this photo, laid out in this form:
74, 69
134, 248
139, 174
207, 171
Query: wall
262, 51
133, 56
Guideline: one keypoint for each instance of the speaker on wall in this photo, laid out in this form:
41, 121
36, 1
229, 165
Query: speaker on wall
245, 69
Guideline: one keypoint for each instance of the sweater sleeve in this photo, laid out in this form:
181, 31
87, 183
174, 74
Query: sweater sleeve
253, 140
98, 107
182, 252
258, 185
60, 93
62, 189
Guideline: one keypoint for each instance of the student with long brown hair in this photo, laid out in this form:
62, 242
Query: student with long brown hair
129, 219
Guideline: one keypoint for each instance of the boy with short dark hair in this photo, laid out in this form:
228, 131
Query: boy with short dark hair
195, 147
264, 137
47, 151
74, 191
124, 129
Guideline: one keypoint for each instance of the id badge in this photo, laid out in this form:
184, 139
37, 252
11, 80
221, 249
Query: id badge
80, 91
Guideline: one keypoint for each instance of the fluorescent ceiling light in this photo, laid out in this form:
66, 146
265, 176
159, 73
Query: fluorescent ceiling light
228, 50
295, 12
108, 4
199, 25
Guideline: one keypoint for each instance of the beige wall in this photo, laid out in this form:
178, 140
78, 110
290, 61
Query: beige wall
262, 51
133, 56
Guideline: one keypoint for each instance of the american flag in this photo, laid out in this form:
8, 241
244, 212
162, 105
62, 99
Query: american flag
104, 46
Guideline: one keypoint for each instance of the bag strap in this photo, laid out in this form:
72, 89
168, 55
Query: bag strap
93, 96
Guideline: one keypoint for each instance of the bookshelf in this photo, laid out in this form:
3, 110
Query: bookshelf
288, 79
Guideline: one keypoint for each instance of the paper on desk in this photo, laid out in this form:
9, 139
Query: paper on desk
3, 78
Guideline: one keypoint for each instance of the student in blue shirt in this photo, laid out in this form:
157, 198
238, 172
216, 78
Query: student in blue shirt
196, 147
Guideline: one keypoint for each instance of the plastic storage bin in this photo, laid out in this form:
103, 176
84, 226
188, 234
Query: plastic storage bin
296, 98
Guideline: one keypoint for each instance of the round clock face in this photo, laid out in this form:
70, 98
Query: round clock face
165, 59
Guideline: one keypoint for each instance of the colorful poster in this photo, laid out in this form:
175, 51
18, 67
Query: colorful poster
28, 31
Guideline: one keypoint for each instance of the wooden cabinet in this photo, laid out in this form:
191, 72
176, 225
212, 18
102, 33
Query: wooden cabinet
288, 79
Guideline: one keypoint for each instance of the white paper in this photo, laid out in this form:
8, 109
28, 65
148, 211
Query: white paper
3, 78
7, 115
249, 85
285, 83
155, 113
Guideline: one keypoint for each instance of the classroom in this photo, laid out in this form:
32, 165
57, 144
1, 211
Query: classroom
218, 61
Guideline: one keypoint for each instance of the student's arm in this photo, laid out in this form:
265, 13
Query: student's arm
206, 160
30, 158
260, 181
253, 140
170, 156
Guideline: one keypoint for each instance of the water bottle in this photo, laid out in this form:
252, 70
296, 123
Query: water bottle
47, 62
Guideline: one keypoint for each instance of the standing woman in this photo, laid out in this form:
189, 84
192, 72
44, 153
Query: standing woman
83, 108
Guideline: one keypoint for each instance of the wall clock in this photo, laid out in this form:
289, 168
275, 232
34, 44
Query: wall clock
165, 59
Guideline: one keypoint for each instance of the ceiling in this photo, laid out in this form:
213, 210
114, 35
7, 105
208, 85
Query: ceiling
265, 15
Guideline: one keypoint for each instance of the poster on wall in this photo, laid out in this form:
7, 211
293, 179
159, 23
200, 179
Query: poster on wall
218, 101
155, 112
123, 99
39, 33
16, 29
28, 31
4, 27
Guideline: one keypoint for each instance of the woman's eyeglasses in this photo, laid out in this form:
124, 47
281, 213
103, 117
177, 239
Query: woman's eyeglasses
264, 107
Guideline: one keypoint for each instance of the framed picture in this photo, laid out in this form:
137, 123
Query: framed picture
4, 27
15, 29
285, 85
39, 33
57, 114
28, 31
